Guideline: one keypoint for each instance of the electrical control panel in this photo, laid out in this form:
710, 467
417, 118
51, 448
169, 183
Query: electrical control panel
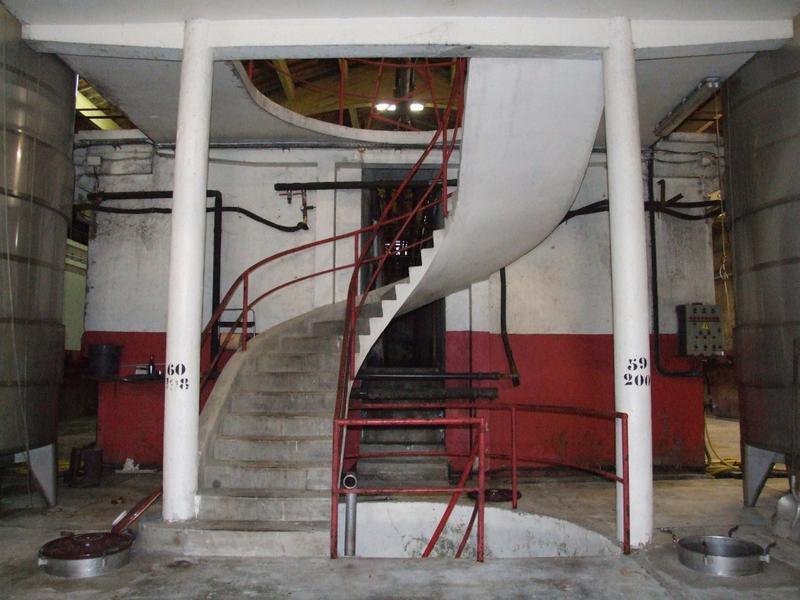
699, 330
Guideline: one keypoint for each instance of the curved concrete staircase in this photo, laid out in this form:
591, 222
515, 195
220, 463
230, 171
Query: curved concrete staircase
266, 432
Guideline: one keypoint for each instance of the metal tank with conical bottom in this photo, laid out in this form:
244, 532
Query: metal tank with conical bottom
36, 177
764, 201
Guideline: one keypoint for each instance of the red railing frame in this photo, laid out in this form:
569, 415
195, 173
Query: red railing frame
513, 456
455, 492
243, 281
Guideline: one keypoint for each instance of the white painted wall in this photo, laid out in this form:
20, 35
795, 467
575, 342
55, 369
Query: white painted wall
564, 285
129, 255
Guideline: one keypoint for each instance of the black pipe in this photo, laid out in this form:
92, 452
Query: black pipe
652, 206
654, 279
300, 226
428, 376
512, 364
96, 198
353, 185
216, 274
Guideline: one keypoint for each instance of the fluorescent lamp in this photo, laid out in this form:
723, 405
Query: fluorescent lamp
416, 107
382, 106
687, 106
392, 108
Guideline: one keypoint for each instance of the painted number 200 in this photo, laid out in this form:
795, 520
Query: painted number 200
632, 377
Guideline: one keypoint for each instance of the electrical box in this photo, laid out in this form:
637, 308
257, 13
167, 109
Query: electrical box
699, 330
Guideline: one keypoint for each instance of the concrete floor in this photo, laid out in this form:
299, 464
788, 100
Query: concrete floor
687, 506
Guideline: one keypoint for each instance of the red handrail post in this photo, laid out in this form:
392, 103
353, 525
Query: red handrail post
626, 491
335, 489
481, 486
513, 457
245, 302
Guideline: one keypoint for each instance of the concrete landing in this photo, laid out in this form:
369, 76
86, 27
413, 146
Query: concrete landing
688, 506
262, 539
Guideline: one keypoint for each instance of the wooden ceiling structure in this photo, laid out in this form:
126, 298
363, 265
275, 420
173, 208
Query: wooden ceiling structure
349, 91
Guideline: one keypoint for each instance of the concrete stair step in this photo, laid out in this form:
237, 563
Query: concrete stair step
431, 469
265, 539
398, 435
264, 505
290, 381
337, 327
311, 475
282, 401
277, 424
400, 394
290, 450
300, 361
367, 447
310, 343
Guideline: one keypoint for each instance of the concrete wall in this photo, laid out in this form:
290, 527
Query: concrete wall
129, 254
559, 318
559, 305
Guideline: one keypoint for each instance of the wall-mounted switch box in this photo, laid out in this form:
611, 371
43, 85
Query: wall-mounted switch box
699, 330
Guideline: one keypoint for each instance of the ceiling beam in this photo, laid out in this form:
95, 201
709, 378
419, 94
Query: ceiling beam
361, 82
285, 77
354, 121
409, 36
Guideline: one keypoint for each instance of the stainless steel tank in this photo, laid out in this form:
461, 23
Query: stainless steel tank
764, 201
36, 177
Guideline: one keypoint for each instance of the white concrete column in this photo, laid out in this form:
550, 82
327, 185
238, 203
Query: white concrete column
187, 252
629, 277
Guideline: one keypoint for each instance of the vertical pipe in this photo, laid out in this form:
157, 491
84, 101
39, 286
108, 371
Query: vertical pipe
626, 497
351, 504
513, 457
335, 457
481, 487
217, 270
355, 258
245, 303
629, 278
187, 249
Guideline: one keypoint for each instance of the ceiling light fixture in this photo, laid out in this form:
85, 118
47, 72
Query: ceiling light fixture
382, 106
416, 107
686, 107
392, 108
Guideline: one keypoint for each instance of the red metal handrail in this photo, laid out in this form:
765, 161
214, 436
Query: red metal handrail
354, 305
455, 492
244, 279
515, 459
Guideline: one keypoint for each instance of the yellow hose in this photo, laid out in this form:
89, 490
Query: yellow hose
721, 466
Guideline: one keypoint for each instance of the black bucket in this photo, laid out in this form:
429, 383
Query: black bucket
103, 361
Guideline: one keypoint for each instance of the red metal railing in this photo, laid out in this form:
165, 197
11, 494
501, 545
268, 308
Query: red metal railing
478, 454
356, 298
361, 252
514, 456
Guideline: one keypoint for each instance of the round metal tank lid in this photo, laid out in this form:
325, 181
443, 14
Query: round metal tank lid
721, 555
85, 554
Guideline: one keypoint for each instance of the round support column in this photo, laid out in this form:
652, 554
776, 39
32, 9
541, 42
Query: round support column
629, 278
187, 252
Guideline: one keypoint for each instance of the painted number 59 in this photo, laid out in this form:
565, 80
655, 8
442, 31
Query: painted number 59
632, 376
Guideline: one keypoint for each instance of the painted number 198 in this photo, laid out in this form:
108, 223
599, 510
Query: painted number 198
632, 375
